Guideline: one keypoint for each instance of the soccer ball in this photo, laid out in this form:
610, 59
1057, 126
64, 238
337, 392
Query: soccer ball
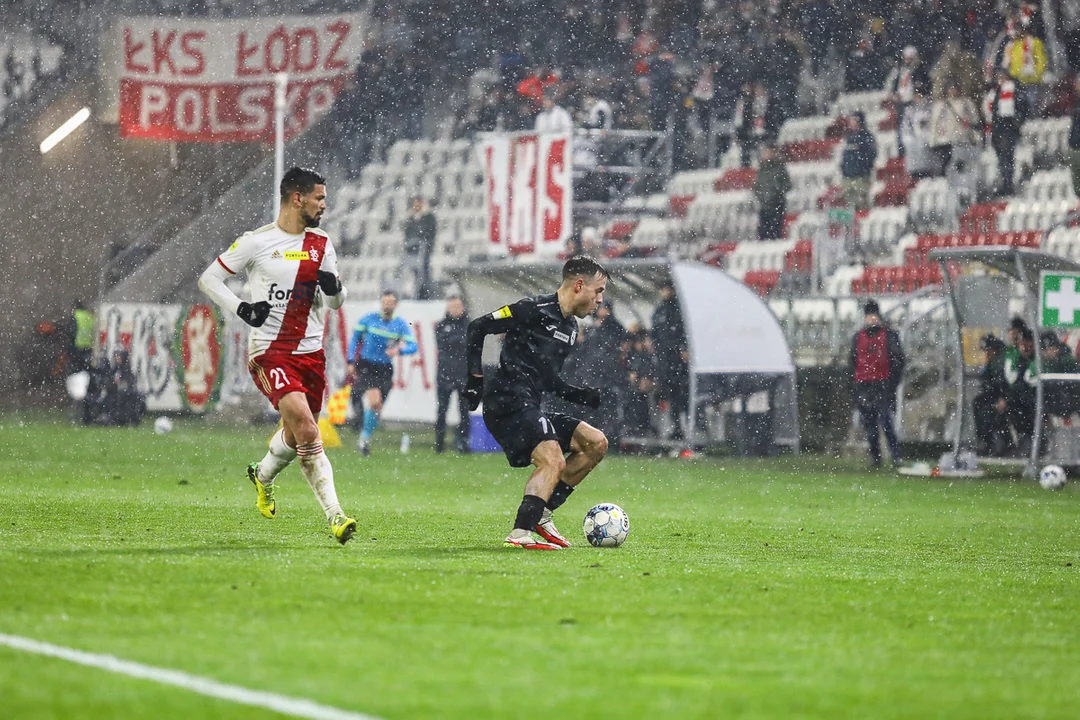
163, 425
606, 525
1052, 477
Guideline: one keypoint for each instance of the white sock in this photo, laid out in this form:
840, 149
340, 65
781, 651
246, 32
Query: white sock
320, 476
277, 458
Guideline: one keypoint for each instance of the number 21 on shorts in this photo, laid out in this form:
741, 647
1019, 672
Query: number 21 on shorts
279, 378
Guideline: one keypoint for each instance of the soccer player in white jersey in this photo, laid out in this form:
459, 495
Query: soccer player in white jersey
291, 268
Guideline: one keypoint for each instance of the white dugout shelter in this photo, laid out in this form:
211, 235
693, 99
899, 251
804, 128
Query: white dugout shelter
736, 345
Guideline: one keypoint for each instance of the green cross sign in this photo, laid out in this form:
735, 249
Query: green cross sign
1059, 299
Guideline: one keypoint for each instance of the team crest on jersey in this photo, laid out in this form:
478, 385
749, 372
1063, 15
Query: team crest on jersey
276, 255
314, 255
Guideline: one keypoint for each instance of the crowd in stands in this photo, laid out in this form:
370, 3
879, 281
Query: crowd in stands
24, 60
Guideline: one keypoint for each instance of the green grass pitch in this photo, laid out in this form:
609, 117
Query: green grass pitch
789, 588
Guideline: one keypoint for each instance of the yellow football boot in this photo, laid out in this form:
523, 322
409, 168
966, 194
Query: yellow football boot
265, 499
342, 528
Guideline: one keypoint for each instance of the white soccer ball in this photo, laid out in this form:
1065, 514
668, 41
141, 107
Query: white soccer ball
606, 525
163, 425
1052, 477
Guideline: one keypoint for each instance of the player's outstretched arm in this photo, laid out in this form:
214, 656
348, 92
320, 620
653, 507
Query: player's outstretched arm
212, 283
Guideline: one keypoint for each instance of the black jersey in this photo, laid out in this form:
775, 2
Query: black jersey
537, 341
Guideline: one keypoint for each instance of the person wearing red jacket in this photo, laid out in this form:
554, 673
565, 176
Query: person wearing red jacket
877, 364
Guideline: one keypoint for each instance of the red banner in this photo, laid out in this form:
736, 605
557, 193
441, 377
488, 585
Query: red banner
213, 81
529, 189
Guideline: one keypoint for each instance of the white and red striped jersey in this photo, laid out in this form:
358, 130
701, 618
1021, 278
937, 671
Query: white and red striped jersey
281, 270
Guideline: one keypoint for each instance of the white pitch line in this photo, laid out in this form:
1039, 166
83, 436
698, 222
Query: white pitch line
296, 707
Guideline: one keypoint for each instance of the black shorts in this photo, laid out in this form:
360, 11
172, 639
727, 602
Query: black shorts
520, 431
374, 375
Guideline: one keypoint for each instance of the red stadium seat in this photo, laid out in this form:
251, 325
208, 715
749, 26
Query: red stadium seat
679, 204
738, 179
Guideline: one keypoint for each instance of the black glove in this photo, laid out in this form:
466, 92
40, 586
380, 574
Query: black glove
329, 282
590, 397
254, 314
474, 388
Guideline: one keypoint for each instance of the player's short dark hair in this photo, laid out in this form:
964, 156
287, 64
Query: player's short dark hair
301, 180
583, 266
389, 291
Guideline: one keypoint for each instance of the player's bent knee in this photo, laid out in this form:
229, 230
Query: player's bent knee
306, 432
599, 447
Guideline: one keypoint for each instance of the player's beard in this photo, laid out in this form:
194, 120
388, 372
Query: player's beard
310, 221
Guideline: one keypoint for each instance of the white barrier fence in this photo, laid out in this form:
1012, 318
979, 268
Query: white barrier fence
187, 358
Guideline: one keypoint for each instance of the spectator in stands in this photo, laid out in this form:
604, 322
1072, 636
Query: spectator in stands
863, 68
758, 121
672, 355
919, 160
771, 185
597, 114
877, 365
857, 162
991, 403
907, 78
663, 89
419, 245
13, 75
957, 68
821, 23
1006, 112
953, 123
781, 73
1024, 57
554, 117
1074, 137
726, 86
532, 87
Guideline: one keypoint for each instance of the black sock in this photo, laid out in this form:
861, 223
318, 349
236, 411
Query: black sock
529, 512
559, 495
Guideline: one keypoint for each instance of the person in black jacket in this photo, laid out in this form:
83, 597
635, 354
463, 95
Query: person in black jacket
857, 162
1007, 111
877, 364
419, 245
672, 356
451, 341
991, 403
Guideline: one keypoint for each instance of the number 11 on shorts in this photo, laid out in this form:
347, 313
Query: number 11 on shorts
545, 426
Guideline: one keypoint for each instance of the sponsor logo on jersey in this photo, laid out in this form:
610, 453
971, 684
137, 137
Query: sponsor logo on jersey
276, 255
233, 246
562, 336
302, 291
300, 255
501, 313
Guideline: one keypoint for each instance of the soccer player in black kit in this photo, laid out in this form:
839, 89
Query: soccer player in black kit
540, 332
